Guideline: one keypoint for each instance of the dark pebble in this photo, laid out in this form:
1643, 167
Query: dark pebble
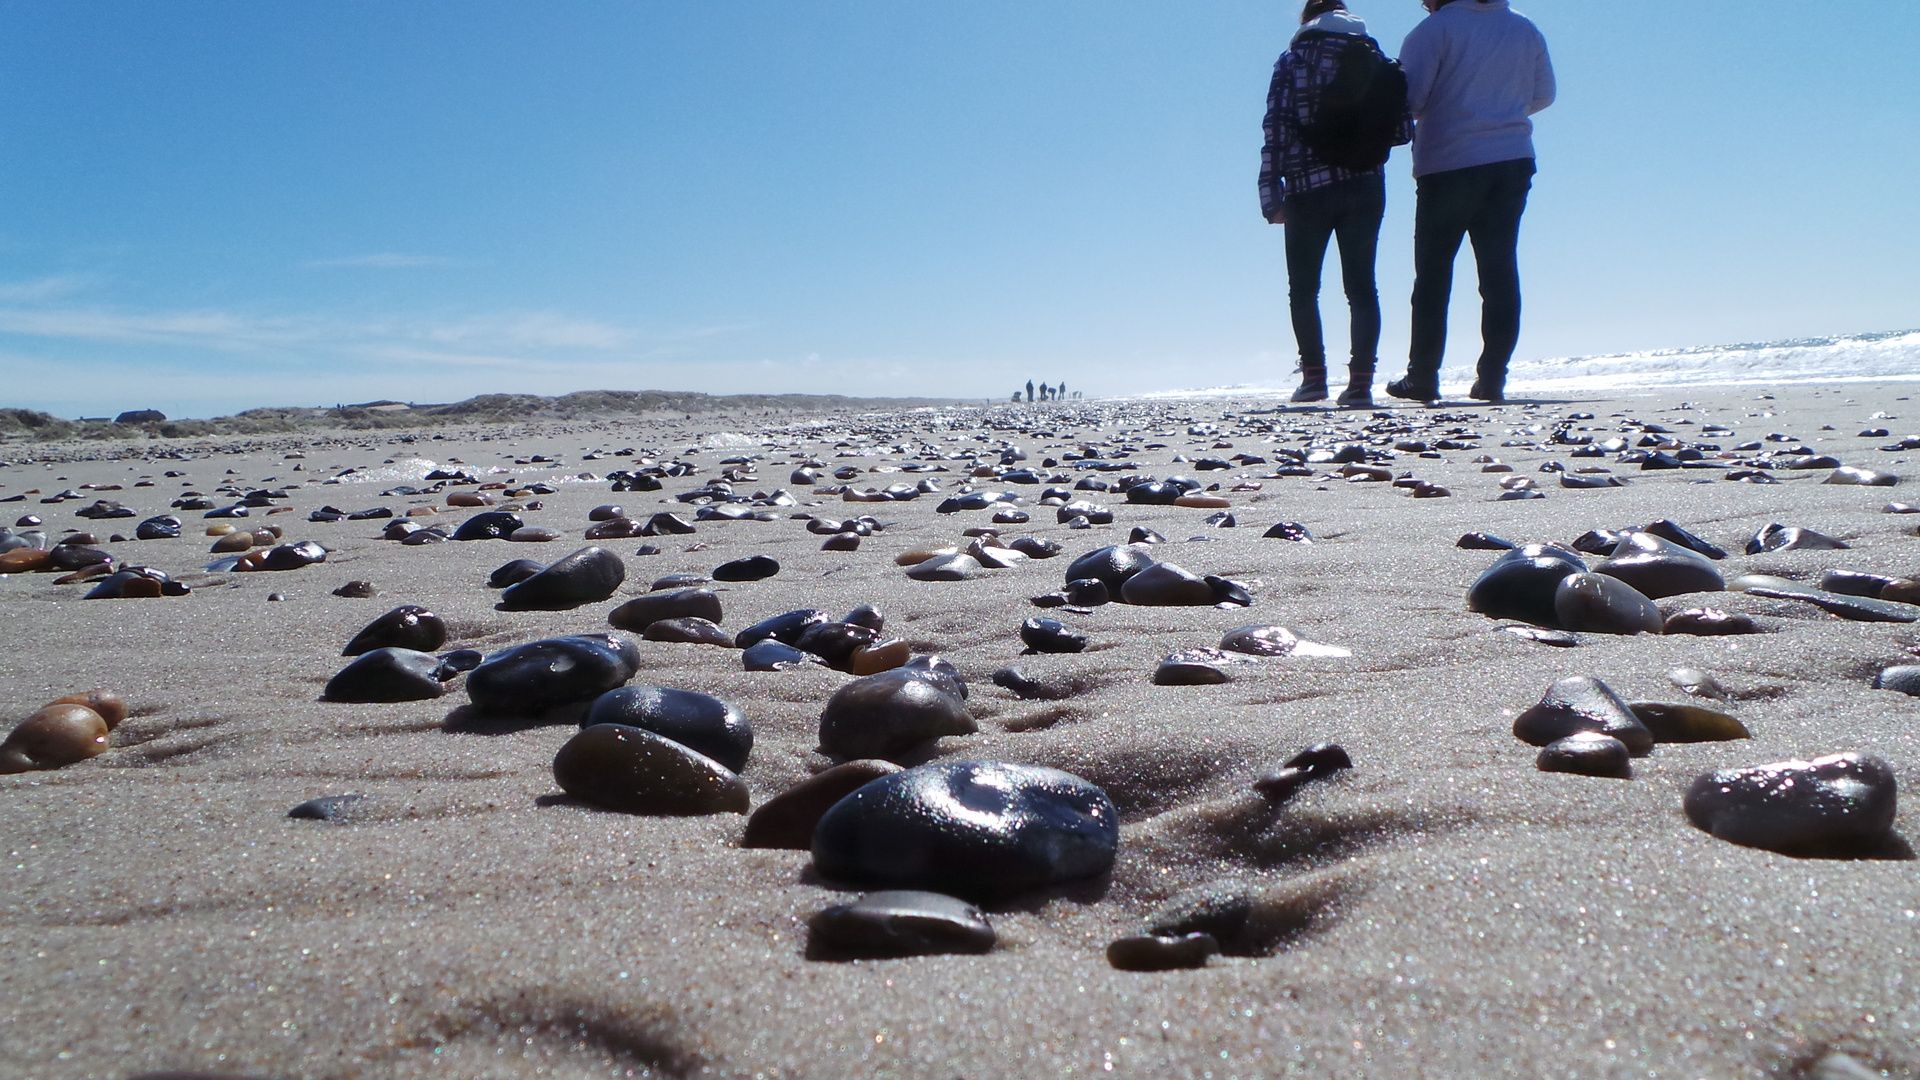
408, 626
1052, 636
642, 611
1289, 530
884, 715
788, 819
698, 721
1829, 807
526, 680
837, 643
294, 556
1150, 952
900, 923
1479, 541
1687, 723
772, 654
1086, 593
1316, 762
786, 627
1599, 604
687, 631
1709, 622
387, 674
1112, 565
637, 772
1191, 667
1905, 679
1522, 584
164, 527
356, 590
678, 581
1559, 639
1166, 585
587, 576
1035, 548
1143, 535
492, 525
513, 573
1777, 537
327, 808
751, 568
1582, 703
983, 831
1588, 753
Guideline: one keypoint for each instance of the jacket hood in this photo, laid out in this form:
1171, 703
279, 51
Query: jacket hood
1337, 22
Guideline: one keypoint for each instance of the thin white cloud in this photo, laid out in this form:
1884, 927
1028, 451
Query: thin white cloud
383, 260
41, 290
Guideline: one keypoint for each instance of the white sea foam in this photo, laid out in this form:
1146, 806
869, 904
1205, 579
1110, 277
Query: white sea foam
1888, 357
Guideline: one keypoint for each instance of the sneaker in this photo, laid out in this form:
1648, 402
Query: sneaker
1405, 389
1356, 397
1492, 393
1313, 386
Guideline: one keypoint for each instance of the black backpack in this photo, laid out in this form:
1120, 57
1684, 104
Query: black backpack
1358, 115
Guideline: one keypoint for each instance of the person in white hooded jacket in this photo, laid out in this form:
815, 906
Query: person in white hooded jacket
1476, 71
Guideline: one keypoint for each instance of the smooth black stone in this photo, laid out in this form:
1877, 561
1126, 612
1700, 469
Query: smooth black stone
385, 675
587, 576
109, 587
1316, 762
1034, 547
1670, 531
868, 616
941, 671
982, 831
422, 537
1479, 541
1155, 493
1599, 541
164, 527
1166, 585
1582, 703
1598, 604
457, 661
1143, 535
1687, 723
1777, 537
751, 568
698, 721
1852, 608
1587, 754
772, 654
1052, 636
900, 923
665, 524
408, 626
1855, 583
1260, 640
294, 556
1835, 806
687, 631
491, 525
641, 611
374, 514
1151, 952
356, 590
787, 627
1709, 622
1024, 687
1521, 584
77, 556
1112, 565
1086, 593
527, 680
1905, 679
327, 808
235, 511
1226, 591
513, 573
837, 642
885, 715
1289, 530
621, 768
1191, 667
1661, 574
678, 581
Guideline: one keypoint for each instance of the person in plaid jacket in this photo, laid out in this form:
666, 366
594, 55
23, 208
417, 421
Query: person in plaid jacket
1319, 202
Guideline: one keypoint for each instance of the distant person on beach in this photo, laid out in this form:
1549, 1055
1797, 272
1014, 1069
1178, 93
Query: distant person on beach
1335, 110
1476, 70
1029, 390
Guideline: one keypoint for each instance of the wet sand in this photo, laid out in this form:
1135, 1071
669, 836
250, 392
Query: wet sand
1461, 914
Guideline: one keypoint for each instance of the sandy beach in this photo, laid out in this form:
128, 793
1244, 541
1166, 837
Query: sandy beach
1443, 909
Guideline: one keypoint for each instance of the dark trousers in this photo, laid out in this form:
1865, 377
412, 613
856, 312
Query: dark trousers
1483, 203
1350, 210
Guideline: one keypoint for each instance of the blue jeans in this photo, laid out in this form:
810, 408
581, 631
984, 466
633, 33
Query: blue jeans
1350, 210
1483, 203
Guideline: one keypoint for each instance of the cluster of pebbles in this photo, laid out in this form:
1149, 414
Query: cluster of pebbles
936, 840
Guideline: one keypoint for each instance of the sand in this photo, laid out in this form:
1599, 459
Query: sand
1469, 915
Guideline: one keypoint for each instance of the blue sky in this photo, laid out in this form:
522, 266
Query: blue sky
206, 206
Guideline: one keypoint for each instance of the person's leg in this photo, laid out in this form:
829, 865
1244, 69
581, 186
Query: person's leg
1495, 231
1443, 208
1358, 230
1309, 228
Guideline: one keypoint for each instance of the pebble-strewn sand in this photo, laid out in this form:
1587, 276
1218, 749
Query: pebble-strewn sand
1475, 917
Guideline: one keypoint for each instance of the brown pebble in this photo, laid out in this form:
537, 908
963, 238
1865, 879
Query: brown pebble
880, 656
55, 736
234, 541
787, 819
1902, 592
140, 588
25, 561
221, 528
469, 498
110, 706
